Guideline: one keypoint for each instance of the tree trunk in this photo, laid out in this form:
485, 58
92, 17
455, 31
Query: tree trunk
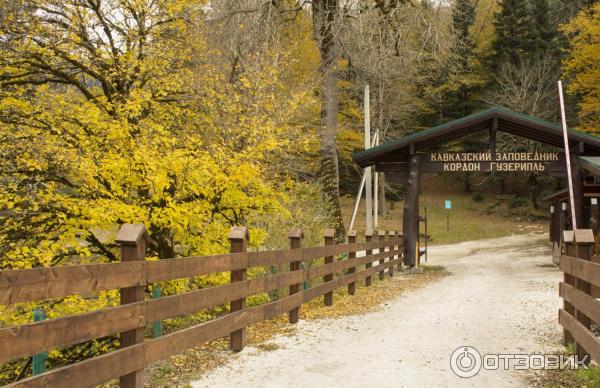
324, 19
534, 191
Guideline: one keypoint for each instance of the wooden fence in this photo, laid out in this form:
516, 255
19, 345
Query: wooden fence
579, 291
133, 273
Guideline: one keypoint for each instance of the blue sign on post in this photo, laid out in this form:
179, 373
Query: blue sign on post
448, 206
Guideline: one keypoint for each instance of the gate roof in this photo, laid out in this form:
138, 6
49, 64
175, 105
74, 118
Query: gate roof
505, 121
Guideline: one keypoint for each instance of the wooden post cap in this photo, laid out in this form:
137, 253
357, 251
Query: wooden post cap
584, 236
296, 233
391, 233
238, 233
369, 233
568, 236
130, 234
329, 233
352, 233
381, 233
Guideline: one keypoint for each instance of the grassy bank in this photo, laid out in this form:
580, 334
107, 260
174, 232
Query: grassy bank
473, 216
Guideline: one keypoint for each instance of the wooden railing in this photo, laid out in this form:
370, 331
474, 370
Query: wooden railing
133, 273
579, 291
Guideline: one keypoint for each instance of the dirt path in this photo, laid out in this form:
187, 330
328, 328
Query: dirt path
500, 298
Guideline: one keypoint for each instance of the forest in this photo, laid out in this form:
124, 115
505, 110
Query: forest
193, 116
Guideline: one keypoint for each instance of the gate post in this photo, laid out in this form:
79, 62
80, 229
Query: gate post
329, 235
368, 252
400, 246
382, 249
392, 248
580, 244
295, 236
238, 239
351, 255
132, 239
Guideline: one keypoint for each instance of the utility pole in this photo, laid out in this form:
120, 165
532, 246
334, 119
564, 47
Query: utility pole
376, 190
368, 183
567, 154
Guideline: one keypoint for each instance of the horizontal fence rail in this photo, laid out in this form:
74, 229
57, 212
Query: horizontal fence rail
130, 318
579, 291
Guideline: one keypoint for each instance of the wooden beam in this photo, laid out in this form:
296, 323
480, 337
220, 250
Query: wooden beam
493, 128
410, 220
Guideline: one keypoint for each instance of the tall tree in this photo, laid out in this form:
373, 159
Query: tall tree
325, 19
514, 29
463, 83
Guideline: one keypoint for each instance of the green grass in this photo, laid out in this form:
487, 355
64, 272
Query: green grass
472, 217
589, 377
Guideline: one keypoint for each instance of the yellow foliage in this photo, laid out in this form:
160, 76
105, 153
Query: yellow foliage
583, 65
106, 118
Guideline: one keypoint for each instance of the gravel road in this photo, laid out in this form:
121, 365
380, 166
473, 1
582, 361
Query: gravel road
502, 297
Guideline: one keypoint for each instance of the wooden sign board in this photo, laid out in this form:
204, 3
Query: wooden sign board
526, 162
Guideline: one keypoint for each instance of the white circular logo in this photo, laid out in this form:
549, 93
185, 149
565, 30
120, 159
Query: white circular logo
465, 362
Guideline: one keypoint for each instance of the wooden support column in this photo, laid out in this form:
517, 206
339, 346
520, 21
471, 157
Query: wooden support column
351, 255
238, 238
295, 236
329, 236
582, 223
493, 128
392, 248
368, 252
594, 216
381, 235
400, 242
132, 239
595, 225
564, 221
410, 217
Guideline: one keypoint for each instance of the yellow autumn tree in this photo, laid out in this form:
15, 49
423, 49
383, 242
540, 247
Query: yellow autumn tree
112, 113
583, 65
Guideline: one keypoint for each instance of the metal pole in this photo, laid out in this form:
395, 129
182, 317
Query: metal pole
376, 190
156, 326
567, 154
369, 186
360, 190
39, 359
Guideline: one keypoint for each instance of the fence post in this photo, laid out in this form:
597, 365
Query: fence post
585, 244
38, 363
295, 236
564, 217
392, 248
132, 239
368, 252
329, 235
400, 242
381, 239
351, 255
238, 239
156, 326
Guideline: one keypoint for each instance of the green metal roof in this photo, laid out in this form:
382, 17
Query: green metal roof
590, 163
508, 121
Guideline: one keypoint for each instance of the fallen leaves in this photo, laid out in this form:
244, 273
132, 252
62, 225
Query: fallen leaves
195, 362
